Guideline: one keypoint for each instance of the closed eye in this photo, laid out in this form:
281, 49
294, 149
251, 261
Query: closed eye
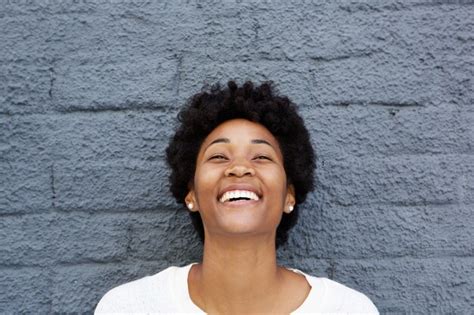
218, 157
263, 157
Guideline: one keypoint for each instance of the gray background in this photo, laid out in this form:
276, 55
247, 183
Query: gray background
88, 98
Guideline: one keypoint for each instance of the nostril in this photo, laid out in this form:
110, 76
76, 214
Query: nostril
239, 170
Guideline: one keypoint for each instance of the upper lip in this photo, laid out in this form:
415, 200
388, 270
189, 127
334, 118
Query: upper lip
242, 186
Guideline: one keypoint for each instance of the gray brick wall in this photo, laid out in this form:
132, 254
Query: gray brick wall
89, 92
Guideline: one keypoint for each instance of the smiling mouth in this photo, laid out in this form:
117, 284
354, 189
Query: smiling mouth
238, 195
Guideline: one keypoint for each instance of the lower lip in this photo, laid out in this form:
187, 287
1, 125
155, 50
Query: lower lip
239, 203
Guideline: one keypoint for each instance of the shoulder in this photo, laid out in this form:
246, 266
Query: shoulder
139, 295
342, 299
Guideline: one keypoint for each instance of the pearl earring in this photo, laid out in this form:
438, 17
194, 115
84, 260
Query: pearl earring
290, 208
190, 206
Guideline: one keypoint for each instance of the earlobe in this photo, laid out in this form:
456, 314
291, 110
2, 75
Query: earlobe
290, 199
190, 201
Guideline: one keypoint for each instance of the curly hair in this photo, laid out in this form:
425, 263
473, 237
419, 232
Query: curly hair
207, 109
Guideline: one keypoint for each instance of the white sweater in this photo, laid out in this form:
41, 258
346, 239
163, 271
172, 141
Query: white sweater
167, 293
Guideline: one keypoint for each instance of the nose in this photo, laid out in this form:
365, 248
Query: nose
240, 168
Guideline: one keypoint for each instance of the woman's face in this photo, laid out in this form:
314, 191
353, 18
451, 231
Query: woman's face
240, 185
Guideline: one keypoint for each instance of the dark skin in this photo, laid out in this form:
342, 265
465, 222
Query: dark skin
239, 272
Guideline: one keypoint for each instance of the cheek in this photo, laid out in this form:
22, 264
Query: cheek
276, 179
278, 175
205, 181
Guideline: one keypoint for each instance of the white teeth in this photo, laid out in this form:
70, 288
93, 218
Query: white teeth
238, 194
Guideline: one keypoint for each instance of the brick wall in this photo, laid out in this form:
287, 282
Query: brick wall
88, 97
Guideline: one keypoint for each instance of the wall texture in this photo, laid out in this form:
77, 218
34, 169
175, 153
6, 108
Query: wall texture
88, 96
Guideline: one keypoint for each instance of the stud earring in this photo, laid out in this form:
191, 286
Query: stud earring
190, 206
290, 208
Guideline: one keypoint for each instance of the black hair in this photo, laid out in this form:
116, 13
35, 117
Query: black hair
209, 108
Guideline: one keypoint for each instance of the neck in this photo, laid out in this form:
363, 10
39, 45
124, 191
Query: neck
238, 276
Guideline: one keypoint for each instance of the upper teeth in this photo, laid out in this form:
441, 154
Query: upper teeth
238, 194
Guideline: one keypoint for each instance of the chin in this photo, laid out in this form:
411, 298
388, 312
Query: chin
246, 228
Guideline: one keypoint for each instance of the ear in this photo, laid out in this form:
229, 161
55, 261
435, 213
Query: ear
290, 199
191, 202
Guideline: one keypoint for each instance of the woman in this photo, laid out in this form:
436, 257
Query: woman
241, 162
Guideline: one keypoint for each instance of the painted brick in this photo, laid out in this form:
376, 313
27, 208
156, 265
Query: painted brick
407, 285
106, 33
467, 182
376, 67
392, 231
405, 179
115, 85
360, 81
377, 80
118, 186
85, 136
24, 88
71, 76
66, 238
286, 76
24, 138
153, 236
25, 187
25, 290
366, 131
84, 237
355, 44
422, 62
109, 136
23, 8
25, 39
25, 240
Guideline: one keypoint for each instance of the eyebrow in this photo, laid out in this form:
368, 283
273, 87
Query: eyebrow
261, 141
227, 140
219, 140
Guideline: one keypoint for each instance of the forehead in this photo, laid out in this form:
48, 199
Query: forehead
241, 130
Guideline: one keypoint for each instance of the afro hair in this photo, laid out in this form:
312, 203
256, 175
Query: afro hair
209, 108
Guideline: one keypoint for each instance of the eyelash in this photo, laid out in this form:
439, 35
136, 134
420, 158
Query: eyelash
223, 157
218, 157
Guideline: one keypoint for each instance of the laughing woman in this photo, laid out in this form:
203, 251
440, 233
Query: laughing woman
241, 163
